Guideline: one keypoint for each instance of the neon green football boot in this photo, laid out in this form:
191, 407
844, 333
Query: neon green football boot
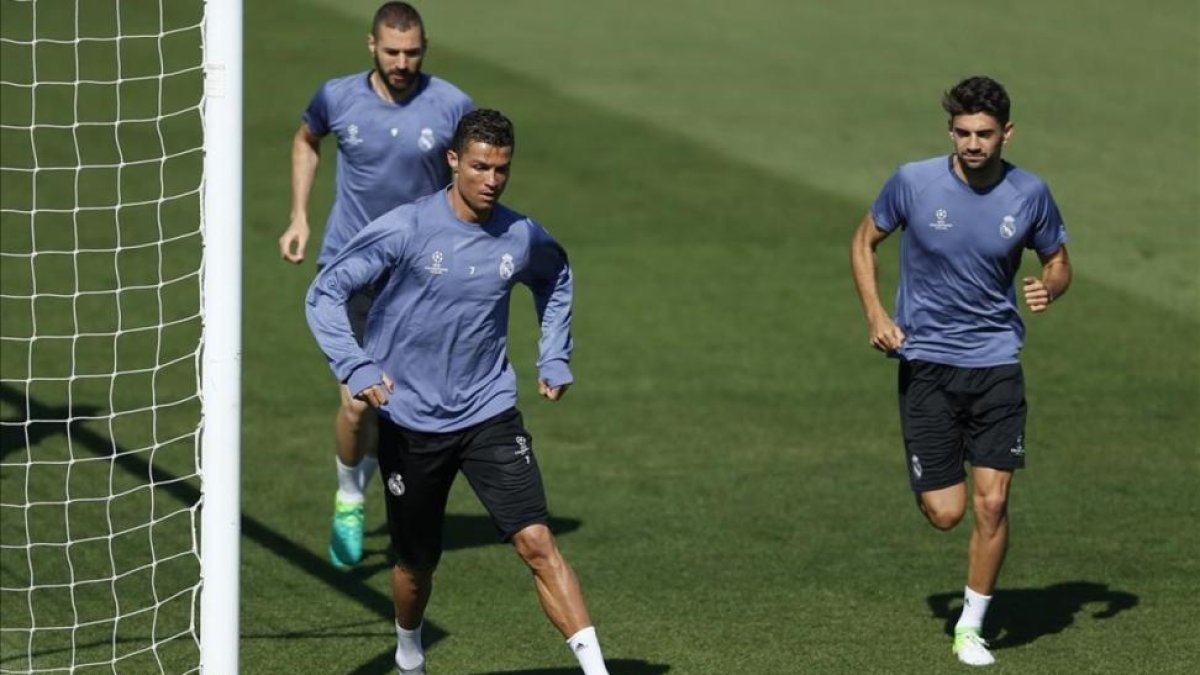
346, 536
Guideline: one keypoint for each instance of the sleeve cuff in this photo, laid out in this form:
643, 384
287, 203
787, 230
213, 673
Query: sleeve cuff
881, 222
363, 377
556, 373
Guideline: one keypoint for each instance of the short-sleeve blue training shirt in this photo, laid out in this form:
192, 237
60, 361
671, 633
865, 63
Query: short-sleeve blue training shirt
388, 153
959, 255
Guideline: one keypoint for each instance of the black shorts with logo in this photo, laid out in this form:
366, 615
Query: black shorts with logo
950, 415
418, 469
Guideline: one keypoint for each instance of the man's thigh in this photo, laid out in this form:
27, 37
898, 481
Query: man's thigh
499, 462
932, 427
996, 419
417, 471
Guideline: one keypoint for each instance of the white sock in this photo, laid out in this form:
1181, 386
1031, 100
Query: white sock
974, 607
348, 487
586, 647
409, 653
366, 471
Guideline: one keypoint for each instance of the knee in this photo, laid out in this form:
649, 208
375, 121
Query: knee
537, 547
416, 560
990, 509
942, 517
413, 576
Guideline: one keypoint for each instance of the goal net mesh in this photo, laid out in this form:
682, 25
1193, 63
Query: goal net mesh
100, 334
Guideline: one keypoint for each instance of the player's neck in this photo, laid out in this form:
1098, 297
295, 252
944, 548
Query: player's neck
981, 178
463, 210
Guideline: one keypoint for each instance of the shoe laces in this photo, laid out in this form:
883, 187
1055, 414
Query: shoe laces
349, 515
973, 637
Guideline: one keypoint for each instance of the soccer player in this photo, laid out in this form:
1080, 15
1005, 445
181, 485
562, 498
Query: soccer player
433, 362
393, 125
966, 219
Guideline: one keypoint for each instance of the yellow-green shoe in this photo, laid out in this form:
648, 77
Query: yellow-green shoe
346, 536
970, 648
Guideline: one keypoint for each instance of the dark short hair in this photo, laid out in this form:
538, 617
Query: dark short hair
978, 94
398, 15
483, 126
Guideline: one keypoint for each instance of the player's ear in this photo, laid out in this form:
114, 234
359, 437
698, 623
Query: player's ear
371, 42
1008, 131
452, 160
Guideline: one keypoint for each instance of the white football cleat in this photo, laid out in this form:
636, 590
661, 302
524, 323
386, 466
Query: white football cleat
970, 648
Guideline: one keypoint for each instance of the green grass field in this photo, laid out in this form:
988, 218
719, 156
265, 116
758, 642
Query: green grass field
726, 476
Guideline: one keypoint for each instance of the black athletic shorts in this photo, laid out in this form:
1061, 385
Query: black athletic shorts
418, 469
950, 415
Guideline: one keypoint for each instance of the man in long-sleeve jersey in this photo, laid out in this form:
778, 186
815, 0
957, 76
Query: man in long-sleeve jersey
966, 219
434, 364
393, 125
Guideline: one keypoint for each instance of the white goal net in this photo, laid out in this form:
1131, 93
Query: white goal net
102, 245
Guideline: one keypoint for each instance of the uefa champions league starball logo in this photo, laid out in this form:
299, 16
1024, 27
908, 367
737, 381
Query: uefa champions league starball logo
436, 268
939, 217
522, 448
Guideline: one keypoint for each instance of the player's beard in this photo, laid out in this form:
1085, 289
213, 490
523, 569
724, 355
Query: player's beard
985, 168
396, 93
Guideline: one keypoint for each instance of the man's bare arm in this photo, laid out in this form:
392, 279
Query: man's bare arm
885, 335
306, 156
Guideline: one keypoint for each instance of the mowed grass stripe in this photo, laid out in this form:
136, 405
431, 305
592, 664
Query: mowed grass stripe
837, 96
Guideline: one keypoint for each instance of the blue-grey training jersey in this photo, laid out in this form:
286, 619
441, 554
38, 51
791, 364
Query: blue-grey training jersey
439, 323
388, 153
959, 256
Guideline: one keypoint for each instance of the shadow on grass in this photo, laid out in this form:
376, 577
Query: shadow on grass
20, 433
351, 583
1019, 616
470, 531
462, 531
383, 664
615, 667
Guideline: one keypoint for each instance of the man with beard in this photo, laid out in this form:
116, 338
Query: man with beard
966, 220
393, 126
434, 363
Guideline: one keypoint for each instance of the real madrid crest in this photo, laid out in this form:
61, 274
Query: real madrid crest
426, 141
1008, 227
506, 266
395, 485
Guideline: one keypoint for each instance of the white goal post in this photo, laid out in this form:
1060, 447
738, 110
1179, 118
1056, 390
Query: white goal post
120, 335
221, 384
